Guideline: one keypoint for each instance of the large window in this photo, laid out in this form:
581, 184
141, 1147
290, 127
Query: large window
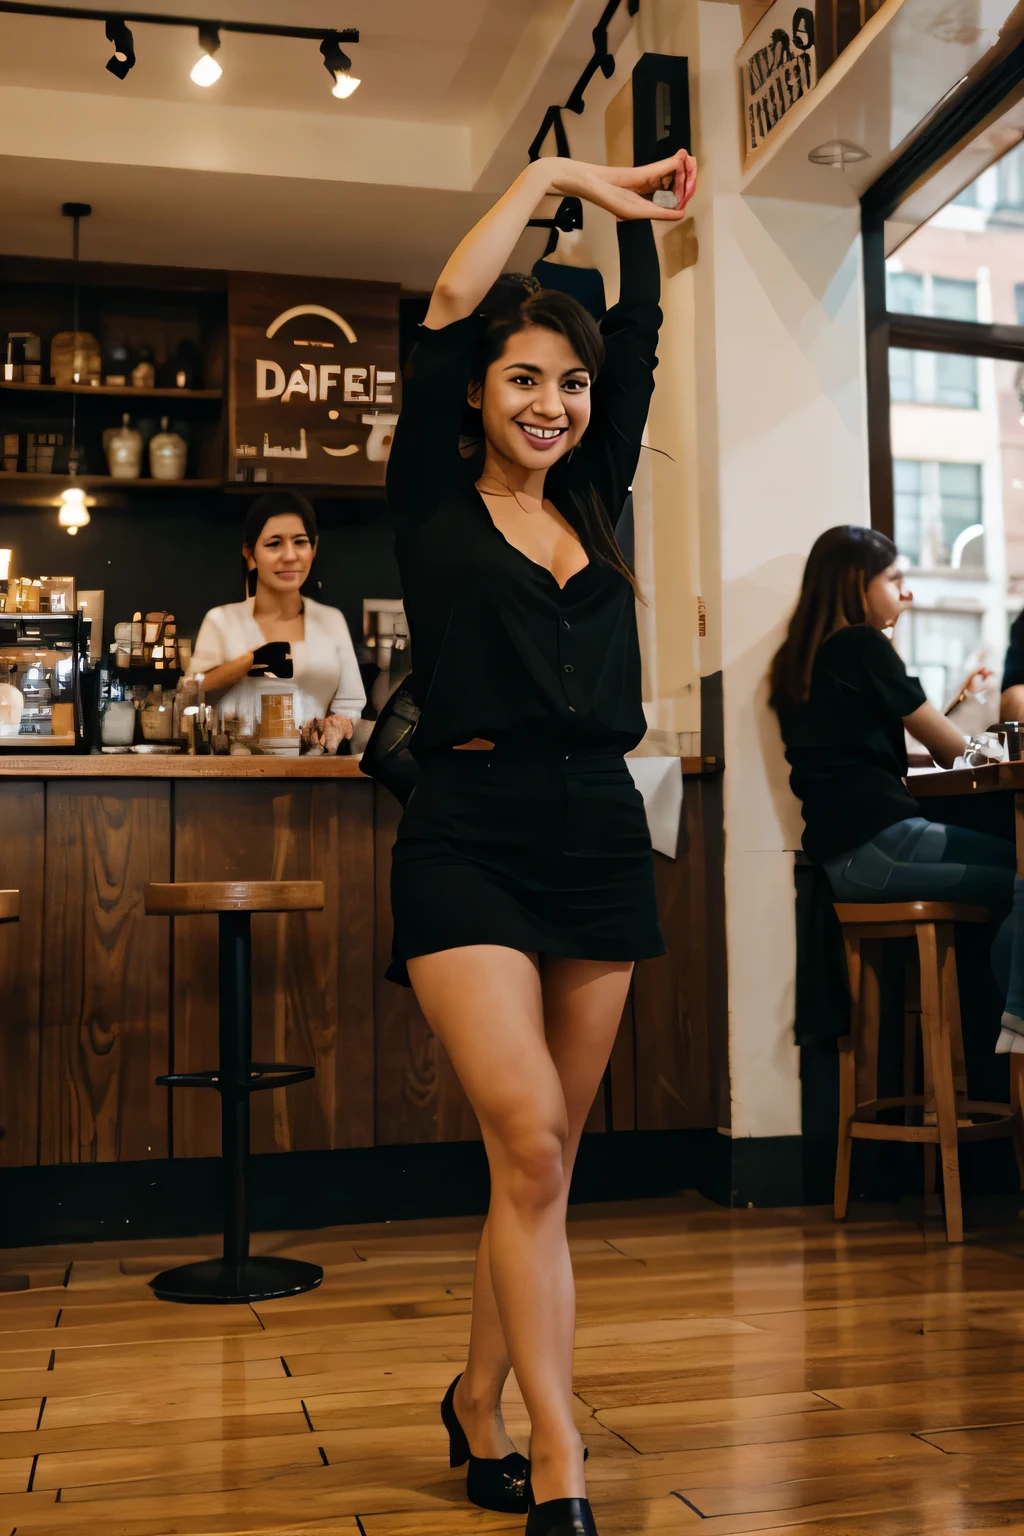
933, 378
947, 457
938, 515
940, 646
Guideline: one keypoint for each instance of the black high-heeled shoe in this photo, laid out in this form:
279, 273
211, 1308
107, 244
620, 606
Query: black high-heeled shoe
561, 1517
498, 1483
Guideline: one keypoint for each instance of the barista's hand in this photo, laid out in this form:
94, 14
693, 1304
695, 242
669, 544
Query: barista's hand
336, 729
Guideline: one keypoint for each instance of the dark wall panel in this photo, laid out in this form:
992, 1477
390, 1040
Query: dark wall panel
165, 550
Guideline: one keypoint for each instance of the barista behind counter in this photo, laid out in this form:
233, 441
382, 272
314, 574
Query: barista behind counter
276, 641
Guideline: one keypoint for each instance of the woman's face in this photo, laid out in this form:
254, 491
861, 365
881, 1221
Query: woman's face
886, 598
535, 400
283, 554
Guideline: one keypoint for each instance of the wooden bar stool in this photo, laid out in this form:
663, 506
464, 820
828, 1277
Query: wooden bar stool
236, 1277
946, 1115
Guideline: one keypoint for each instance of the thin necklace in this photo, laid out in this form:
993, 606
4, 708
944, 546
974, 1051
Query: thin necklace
507, 492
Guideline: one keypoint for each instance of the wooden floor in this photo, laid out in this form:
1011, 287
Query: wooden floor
735, 1372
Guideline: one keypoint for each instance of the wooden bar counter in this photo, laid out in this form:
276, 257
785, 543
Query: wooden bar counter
98, 999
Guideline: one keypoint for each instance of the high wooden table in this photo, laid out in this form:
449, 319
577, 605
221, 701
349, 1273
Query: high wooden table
1000, 778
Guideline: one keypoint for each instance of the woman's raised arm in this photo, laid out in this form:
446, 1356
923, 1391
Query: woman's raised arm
479, 260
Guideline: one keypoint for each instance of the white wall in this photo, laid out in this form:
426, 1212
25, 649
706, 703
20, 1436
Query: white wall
783, 440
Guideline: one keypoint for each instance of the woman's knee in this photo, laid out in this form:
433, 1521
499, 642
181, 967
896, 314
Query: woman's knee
527, 1164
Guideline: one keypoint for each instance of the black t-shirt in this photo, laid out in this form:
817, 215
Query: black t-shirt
498, 649
1013, 667
846, 746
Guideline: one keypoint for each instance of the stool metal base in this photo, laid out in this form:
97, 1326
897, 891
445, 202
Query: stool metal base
218, 1280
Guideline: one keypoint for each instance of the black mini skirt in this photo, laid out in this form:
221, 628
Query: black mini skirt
538, 849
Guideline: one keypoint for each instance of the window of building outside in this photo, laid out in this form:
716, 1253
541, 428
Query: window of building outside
957, 430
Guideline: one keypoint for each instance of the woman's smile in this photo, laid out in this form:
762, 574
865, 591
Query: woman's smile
542, 437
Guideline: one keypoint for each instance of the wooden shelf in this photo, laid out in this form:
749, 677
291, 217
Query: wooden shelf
121, 391
103, 482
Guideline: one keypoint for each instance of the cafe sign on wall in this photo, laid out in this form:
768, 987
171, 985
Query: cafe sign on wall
315, 387
778, 70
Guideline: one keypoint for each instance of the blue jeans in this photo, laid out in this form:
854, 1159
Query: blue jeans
918, 860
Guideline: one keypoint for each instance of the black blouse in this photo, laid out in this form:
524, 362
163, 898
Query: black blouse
846, 745
498, 649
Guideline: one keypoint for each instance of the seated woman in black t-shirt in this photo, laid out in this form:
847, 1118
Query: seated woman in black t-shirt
844, 699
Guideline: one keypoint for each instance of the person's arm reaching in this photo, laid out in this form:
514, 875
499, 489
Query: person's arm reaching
220, 679
937, 734
478, 260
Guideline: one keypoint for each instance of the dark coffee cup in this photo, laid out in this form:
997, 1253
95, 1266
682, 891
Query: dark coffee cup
274, 659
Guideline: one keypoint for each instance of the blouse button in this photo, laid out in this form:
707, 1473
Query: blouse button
568, 667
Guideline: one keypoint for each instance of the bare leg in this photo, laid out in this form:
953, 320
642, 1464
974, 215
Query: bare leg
478, 1394
582, 1003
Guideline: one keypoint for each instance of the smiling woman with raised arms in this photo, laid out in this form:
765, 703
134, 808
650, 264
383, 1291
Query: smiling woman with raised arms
522, 877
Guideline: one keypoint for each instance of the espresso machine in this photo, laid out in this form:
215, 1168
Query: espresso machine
43, 661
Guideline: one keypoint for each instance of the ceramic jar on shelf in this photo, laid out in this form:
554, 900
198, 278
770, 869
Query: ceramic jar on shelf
168, 454
123, 448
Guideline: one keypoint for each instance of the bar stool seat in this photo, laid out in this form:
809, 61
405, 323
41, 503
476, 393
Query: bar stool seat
236, 1277
946, 1115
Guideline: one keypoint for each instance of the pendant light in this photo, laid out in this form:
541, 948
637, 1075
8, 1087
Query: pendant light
73, 512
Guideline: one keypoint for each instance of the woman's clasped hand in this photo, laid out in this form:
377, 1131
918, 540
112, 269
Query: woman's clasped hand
320, 737
626, 190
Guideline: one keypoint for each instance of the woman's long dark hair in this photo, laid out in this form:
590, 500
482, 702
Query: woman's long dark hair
832, 596
515, 302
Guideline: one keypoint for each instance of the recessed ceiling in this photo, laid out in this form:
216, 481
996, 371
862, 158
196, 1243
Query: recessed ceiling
266, 170
437, 62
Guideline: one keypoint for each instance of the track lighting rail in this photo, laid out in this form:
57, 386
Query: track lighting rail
152, 19
601, 59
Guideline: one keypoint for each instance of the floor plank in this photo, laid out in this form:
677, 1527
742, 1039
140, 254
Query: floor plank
736, 1372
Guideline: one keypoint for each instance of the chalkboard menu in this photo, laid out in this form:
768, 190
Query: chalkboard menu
314, 380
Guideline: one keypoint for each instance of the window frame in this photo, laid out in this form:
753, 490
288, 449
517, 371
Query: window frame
949, 126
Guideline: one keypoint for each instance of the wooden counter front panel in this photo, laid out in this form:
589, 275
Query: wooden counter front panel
680, 1000
105, 1002
312, 971
98, 999
22, 818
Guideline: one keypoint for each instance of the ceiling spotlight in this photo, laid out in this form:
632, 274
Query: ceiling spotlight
206, 70
338, 65
119, 33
